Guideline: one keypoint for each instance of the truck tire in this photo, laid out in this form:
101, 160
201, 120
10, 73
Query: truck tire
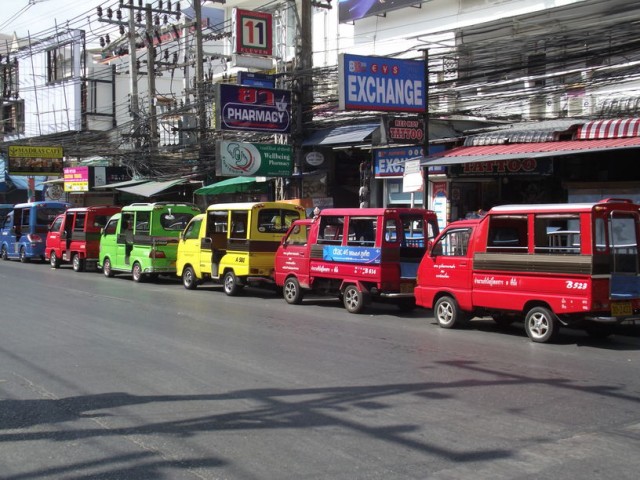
189, 279
54, 261
136, 273
106, 267
23, 255
230, 283
353, 299
292, 292
447, 313
78, 263
541, 325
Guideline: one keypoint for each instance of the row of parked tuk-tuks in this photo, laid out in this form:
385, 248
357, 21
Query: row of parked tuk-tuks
551, 265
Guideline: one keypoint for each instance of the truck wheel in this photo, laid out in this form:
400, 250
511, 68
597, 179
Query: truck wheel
78, 263
136, 272
541, 325
189, 278
106, 267
54, 261
292, 292
23, 255
353, 299
230, 283
4, 254
448, 313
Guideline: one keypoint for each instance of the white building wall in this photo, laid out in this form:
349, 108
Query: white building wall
50, 108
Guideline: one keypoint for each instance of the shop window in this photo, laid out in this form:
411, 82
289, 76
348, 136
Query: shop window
13, 118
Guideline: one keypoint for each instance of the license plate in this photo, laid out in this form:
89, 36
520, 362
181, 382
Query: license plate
406, 288
621, 309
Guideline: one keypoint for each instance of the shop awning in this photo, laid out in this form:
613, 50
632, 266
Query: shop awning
232, 185
152, 188
613, 128
126, 183
490, 153
344, 135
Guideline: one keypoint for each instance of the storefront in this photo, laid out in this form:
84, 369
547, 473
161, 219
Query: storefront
587, 161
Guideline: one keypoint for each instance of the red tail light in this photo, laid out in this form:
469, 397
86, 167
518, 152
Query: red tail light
157, 254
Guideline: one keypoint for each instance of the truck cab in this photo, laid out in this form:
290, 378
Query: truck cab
551, 265
74, 236
356, 254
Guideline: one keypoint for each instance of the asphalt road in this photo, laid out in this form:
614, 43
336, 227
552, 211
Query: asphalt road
109, 379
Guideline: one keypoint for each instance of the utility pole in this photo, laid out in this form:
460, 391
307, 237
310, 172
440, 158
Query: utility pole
133, 71
151, 77
200, 105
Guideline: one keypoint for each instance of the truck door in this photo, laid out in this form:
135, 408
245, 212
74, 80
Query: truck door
448, 266
292, 258
54, 236
215, 247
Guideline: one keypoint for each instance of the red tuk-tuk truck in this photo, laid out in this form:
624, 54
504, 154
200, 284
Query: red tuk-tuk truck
357, 254
550, 265
74, 236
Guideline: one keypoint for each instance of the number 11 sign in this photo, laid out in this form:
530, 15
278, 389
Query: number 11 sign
253, 32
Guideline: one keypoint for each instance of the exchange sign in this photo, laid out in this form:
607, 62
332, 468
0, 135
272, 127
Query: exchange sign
381, 83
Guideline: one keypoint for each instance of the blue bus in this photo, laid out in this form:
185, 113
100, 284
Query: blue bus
24, 230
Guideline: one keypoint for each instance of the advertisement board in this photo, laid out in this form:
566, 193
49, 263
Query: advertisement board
252, 32
31, 160
381, 83
76, 179
240, 107
389, 162
239, 159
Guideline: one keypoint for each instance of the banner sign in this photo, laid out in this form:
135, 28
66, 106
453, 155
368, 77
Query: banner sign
389, 162
241, 159
381, 83
253, 32
350, 10
253, 109
405, 130
28, 160
412, 180
518, 166
76, 179
333, 253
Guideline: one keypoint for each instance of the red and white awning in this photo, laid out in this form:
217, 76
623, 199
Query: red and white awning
603, 129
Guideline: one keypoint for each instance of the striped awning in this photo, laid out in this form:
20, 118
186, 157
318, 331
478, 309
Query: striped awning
613, 128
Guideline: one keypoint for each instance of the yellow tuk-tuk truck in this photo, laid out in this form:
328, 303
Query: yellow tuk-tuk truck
234, 244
